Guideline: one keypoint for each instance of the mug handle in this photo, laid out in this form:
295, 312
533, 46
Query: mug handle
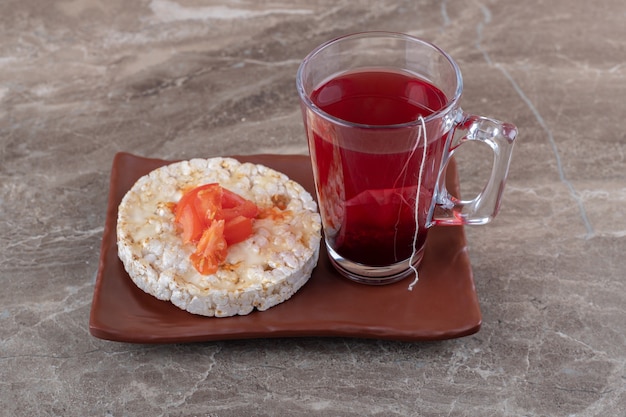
500, 137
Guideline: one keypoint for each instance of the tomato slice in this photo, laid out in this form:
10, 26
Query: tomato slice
211, 250
208, 202
237, 230
189, 197
234, 205
213, 218
190, 223
231, 199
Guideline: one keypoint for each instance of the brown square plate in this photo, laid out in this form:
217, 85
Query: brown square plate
442, 305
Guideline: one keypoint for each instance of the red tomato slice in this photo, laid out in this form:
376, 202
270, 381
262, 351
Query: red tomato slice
211, 250
191, 225
231, 199
237, 230
234, 205
190, 196
213, 217
208, 202
194, 207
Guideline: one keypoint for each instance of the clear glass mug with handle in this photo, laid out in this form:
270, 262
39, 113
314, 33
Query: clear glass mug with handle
382, 119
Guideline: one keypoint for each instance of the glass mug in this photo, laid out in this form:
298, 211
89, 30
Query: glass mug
382, 118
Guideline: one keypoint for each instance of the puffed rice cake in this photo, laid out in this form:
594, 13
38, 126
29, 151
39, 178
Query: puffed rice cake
260, 272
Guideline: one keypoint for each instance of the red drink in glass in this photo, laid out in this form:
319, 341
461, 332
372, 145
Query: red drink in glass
382, 117
368, 195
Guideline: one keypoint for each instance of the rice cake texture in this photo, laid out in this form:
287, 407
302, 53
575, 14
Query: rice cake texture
260, 272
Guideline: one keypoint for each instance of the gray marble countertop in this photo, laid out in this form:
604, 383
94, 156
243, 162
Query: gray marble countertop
81, 80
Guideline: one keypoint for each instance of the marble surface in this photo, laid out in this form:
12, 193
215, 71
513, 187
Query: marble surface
83, 79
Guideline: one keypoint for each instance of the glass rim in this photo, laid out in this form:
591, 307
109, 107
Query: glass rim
450, 105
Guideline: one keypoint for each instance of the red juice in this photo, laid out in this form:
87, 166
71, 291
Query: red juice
367, 177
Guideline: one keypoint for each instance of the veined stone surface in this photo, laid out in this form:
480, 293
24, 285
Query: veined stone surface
81, 80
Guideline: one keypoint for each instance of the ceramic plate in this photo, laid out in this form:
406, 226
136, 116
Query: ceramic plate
442, 305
